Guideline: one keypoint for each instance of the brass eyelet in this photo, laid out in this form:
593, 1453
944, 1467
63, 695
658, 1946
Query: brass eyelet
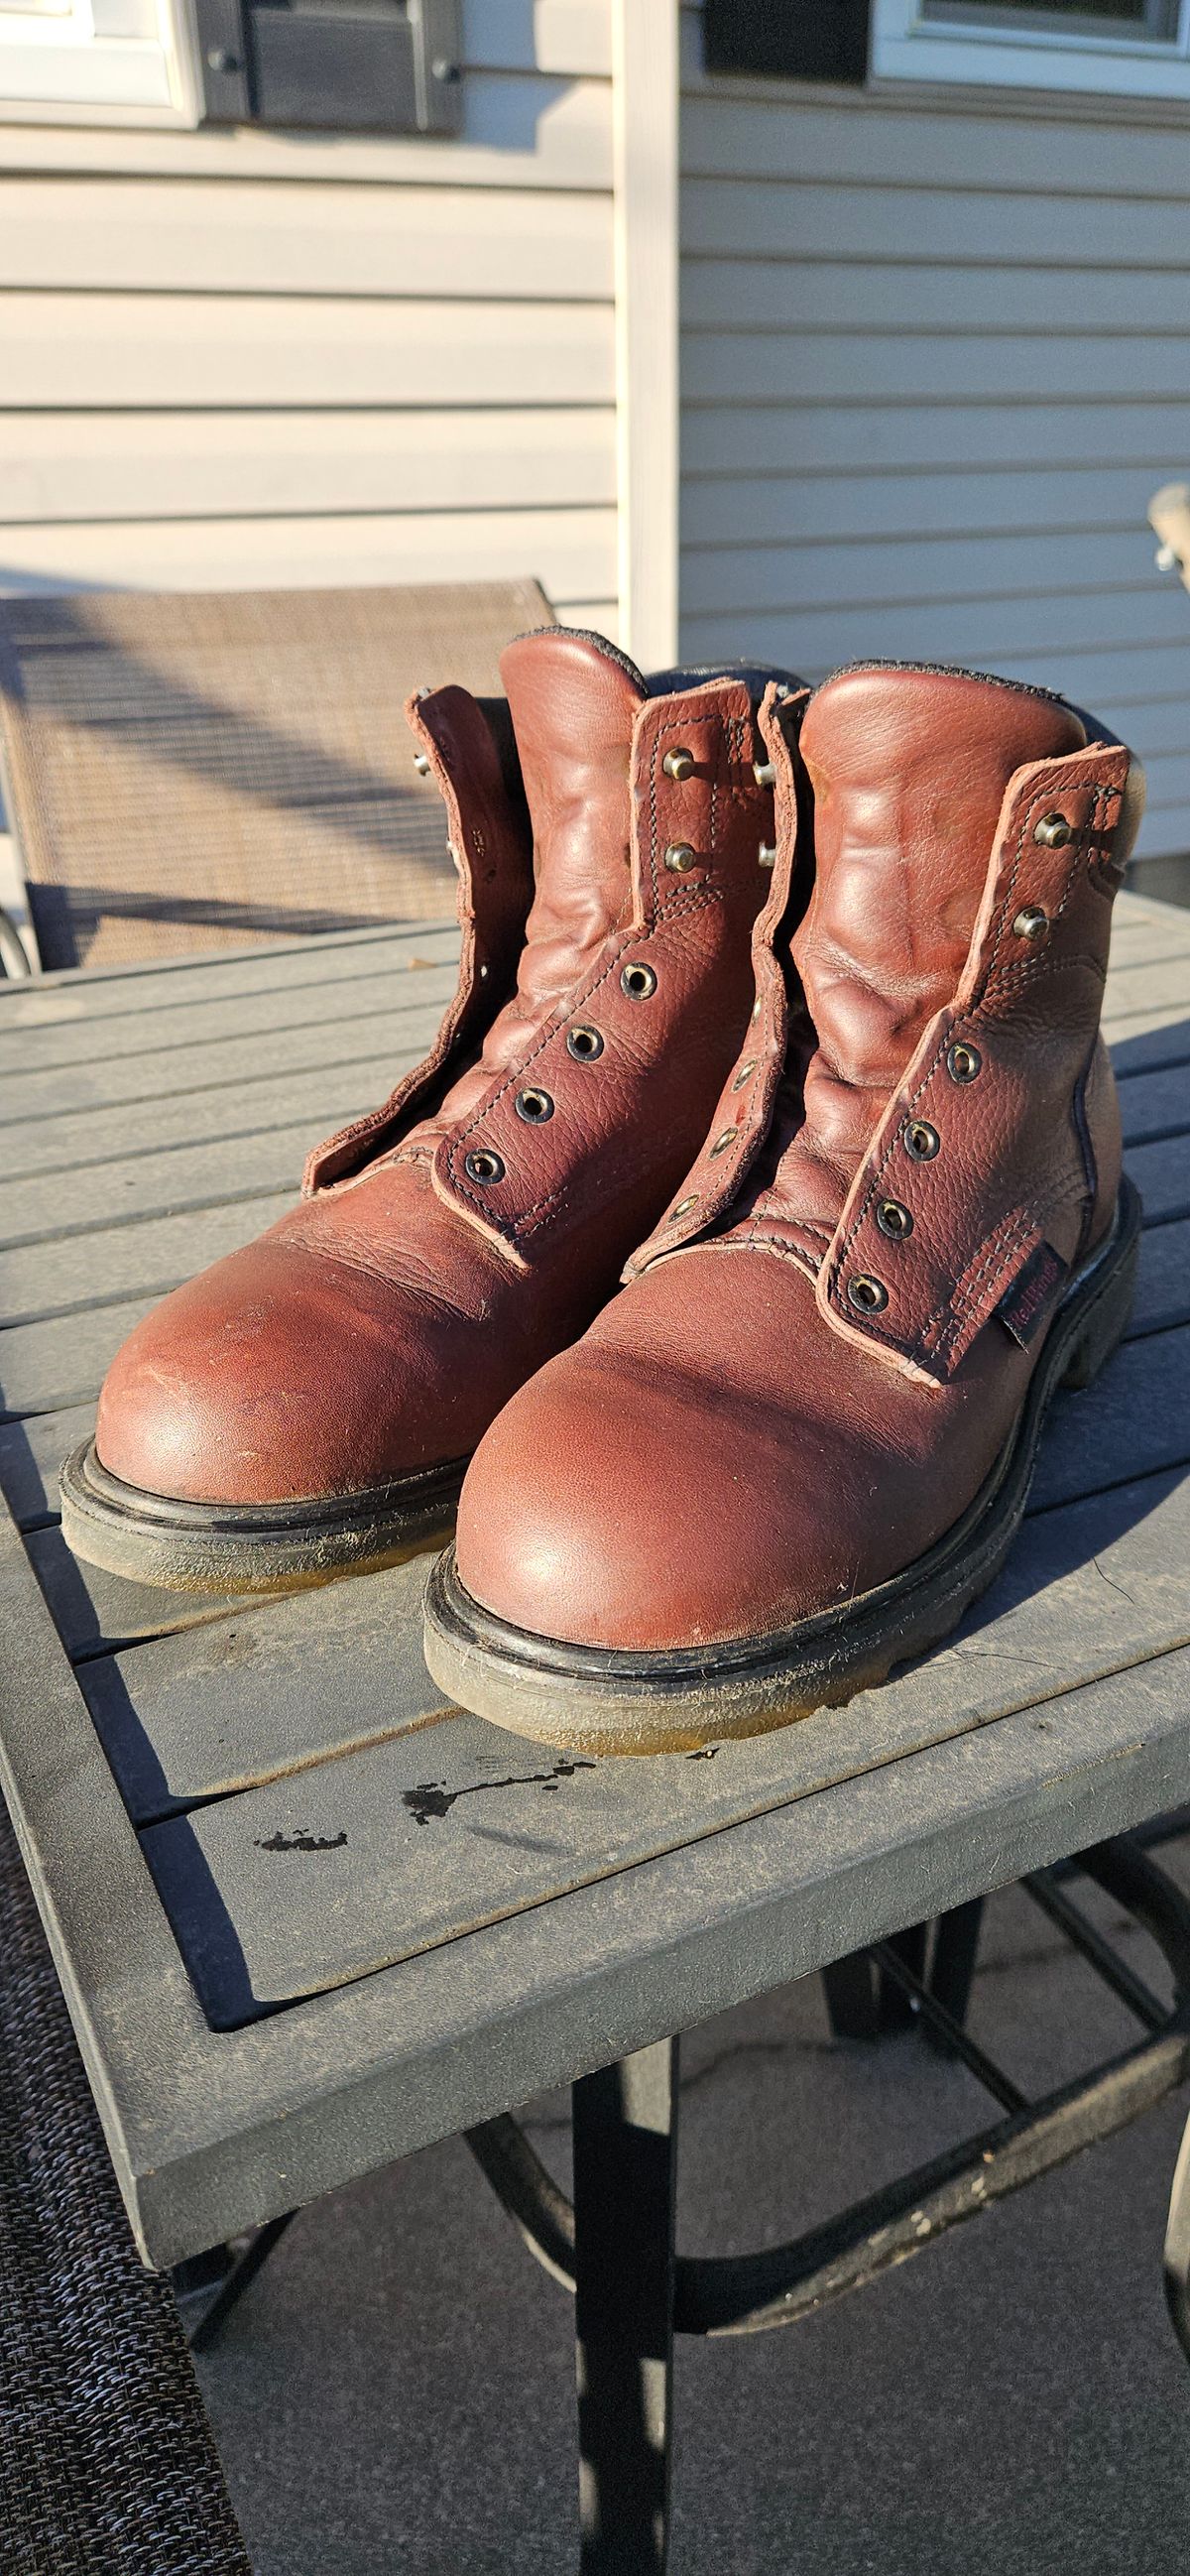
679, 765
963, 1062
745, 1074
868, 1296
682, 1209
894, 1220
483, 1166
764, 773
534, 1106
583, 1043
1053, 832
638, 981
767, 854
921, 1140
1031, 922
722, 1142
421, 764
680, 858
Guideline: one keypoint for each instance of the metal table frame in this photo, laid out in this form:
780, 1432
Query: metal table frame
614, 2245
218, 2133
829, 1853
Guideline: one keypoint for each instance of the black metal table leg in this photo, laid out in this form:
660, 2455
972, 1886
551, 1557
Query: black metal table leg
850, 1988
1177, 2247
625, 2156
893, 2008
952, 1968
239, 2277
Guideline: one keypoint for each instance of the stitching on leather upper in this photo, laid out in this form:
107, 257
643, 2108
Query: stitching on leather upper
675, 724
1101, 791
511, 1227
952, 1316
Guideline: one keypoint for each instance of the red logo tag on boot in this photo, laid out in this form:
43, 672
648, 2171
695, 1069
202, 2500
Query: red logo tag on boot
1032, 1293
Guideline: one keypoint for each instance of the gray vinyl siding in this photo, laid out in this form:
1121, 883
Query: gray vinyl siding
935, 359
237, 358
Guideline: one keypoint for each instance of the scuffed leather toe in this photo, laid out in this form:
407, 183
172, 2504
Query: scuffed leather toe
280, 1375
628, 1497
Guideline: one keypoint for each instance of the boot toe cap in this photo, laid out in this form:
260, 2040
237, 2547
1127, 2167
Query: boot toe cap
275, 1377
623, 1508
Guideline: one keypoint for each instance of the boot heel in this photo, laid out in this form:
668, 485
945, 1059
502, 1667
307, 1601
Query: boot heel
1104, 1328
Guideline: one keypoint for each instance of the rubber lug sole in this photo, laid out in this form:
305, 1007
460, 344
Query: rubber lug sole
602, 1700
267, 1547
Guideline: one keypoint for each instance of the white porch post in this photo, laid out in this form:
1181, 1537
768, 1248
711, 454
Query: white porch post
646, 86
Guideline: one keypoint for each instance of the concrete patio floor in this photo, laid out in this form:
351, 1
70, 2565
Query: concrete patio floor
395, 2393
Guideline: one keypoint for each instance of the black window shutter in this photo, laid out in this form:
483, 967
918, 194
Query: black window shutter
824, 40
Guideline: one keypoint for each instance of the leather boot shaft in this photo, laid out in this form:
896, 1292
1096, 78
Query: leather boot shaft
968, 843
652, 843
316, 1395
905, 1230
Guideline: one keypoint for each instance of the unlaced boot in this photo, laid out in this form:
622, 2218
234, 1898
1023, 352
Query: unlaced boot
800, 1443
309, 1404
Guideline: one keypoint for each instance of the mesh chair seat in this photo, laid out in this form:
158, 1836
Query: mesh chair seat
189, 771
107, 2464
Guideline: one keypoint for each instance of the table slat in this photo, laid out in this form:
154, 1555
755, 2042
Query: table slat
359, 1862
146, 1260
278, 1684
398, 977
119, 1081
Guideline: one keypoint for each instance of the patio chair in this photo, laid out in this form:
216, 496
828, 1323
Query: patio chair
107, 2464
189, 771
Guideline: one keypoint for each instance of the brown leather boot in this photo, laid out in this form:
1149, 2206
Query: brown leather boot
309, 1403
800, 1444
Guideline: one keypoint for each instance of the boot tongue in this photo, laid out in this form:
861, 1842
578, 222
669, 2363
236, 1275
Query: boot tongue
573, 702
909, 770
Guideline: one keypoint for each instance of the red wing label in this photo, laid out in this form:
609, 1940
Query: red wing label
1030, 1296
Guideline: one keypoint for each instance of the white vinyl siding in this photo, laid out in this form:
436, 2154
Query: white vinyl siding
935, 359
241, 358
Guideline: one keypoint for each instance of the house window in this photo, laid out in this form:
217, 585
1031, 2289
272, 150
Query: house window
350, 66
121, 60
373, 66
1129, 48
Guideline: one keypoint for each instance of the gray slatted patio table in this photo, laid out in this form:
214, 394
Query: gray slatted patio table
307, 1919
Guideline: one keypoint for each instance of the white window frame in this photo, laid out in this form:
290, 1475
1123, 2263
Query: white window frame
103, 62
908, 45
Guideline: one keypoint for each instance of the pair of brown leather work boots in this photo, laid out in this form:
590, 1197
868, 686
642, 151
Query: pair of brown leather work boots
869, 923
